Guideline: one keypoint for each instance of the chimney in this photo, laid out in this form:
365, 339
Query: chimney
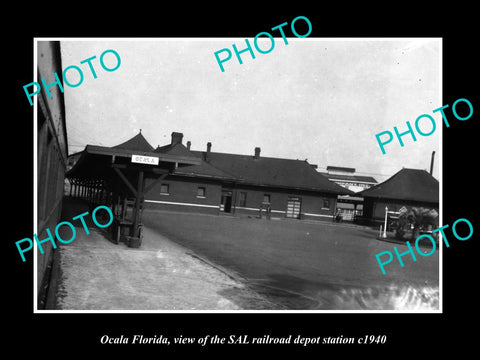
177, 138
257, 153
431, 163
207, 154
189, 144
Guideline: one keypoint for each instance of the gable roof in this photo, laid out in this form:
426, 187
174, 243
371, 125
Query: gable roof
407, 184
95, 162
136, 143
203, 169
173, 149
276, 172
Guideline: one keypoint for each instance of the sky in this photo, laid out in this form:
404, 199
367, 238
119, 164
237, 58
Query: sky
323, 100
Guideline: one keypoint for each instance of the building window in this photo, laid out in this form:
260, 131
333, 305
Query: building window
326, 204
242, 199
164, 189
266, 198
201, 192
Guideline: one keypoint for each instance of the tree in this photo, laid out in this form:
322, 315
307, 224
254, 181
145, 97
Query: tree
418, 219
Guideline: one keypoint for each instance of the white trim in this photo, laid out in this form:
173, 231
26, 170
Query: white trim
179, 203
308, 214
247, 208
336, 38
278, 211
35, 178
256, 209
440, 182
216, 206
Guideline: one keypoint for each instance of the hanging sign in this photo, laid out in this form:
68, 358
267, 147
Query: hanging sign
140, 159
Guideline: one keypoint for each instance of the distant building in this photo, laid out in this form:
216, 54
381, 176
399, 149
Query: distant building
407, 188
249, 185
347, 178
350, 206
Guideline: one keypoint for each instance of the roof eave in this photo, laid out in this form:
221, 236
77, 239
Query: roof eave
102, 150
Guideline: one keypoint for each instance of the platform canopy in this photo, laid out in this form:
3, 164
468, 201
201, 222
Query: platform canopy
118, 173
136, 154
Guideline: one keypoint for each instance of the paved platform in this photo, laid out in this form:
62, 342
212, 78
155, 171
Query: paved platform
93, 273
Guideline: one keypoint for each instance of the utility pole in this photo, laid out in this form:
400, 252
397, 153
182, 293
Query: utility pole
431, 163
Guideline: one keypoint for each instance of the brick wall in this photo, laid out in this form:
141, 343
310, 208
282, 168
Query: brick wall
182, 196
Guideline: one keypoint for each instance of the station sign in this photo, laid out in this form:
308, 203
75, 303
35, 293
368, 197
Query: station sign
140, 159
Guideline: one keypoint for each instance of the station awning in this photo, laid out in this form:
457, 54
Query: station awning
98, 161
122, 170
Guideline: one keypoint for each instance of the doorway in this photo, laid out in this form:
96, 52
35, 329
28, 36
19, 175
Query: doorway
294, 206
226, 201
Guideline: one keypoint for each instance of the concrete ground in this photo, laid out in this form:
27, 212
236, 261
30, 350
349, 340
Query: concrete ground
92, 273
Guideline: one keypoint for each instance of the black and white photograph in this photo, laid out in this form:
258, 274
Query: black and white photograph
295, 182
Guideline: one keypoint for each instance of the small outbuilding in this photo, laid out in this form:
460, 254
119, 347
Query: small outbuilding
406, 189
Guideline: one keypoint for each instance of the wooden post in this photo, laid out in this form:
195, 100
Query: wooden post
90, 191
95, 191
138, 200
98, 199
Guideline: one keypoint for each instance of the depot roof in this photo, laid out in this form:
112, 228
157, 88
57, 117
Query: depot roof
407, 184
269, 171
242, 169
136, 143
252, 169
202, 169
96, 161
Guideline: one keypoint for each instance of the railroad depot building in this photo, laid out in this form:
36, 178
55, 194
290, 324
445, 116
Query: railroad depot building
407, 188
244, 185
249, 185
